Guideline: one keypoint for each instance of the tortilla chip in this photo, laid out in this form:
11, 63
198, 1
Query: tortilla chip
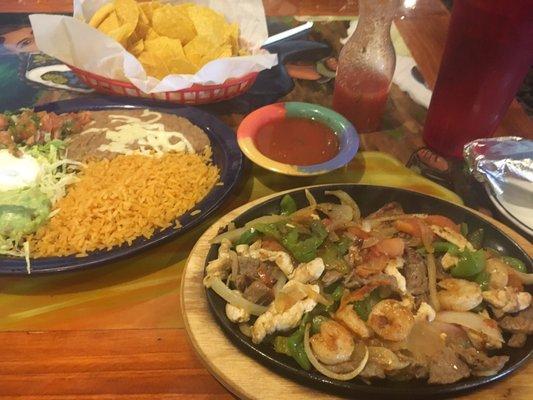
121, 34
153, 65
109, 24
181, 66
208, 22
151, 34
101, 14
170, 21
136, 48
216, 53
148, 8
165, 47
128, 13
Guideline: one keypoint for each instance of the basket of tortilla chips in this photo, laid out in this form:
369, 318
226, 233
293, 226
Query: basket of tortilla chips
182, 52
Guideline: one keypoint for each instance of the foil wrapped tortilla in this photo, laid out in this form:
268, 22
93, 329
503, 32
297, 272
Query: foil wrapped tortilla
506, 165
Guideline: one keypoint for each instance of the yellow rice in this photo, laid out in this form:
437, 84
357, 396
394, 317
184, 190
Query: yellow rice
118, 200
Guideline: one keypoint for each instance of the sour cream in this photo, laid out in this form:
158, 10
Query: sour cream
18, 172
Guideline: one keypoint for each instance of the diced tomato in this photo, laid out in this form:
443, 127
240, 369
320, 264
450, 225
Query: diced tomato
408, 225
271, 244
372, 266
362, 292
442, 221
50, 121
416, 227
393, 247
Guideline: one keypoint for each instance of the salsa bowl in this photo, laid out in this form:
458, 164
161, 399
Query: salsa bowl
250, 130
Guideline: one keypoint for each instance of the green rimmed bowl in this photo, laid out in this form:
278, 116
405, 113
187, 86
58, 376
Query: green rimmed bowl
345, 131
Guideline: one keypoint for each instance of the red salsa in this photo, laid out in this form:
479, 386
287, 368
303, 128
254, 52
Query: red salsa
297, 141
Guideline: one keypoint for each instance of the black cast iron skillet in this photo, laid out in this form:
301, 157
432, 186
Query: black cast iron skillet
370, 198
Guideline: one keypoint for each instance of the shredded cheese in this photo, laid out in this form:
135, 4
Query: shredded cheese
151, 136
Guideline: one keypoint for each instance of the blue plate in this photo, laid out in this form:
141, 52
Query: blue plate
226, 155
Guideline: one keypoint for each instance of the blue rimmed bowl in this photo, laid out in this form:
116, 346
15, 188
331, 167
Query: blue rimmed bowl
345, 131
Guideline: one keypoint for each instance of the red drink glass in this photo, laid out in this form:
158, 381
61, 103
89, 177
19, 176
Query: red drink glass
488, 52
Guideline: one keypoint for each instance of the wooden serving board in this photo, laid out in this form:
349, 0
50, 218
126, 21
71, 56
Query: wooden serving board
246, 377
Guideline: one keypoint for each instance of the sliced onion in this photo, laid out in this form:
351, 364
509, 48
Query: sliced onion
526, 279
371, 241
473, 321
336, 212
336, 225
288, 296
386, 358
316, 296
303, 214
285, 300
232, 297
281, 281
376, 221
310, 198
432, 282
234, 265
347, 200
265, 219
326, 371
426, 234
232, 235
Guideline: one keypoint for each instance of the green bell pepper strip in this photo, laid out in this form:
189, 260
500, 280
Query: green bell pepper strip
316, 322
287, 205
476, 238
482, 279
268, 230
336, 296
470, 263
248, 237
463, 229
363, 307
281, 345
343, 245
422, 251
329, 253
305, 250
293, 345
319, 231
515, 263
445, 247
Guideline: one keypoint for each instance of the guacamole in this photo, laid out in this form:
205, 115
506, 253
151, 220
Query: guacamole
22, 212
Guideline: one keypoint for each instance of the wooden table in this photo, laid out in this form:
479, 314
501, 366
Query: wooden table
107, 361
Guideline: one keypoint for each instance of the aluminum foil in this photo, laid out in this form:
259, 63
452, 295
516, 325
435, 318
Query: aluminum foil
505, 164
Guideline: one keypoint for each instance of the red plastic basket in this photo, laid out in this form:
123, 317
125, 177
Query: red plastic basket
196, 94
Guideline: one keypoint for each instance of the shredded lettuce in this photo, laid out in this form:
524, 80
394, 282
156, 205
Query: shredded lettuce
57, 174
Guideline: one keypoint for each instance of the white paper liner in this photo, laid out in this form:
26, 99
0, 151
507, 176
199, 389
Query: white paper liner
74, 42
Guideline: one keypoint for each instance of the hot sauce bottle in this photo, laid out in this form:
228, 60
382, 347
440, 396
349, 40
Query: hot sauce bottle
366, 66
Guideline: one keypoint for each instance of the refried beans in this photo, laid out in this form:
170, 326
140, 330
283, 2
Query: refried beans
94, 143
